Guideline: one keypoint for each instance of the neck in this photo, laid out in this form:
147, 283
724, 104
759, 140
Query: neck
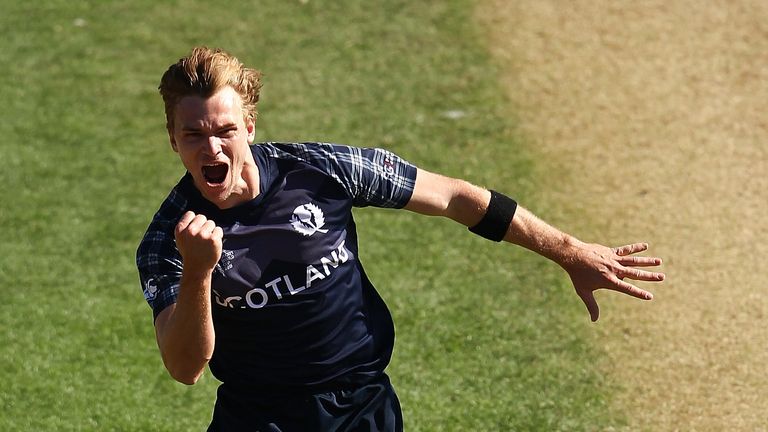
250, 177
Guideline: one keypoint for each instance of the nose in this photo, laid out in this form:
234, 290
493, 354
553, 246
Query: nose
213, 145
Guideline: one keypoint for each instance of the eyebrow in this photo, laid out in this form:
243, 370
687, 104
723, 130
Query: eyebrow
195, 128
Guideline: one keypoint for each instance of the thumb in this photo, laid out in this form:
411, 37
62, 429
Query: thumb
589, 301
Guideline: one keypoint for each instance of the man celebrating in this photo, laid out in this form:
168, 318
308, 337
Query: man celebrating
251, 263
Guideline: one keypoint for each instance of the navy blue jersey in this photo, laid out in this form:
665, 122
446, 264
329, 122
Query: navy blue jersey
293, 310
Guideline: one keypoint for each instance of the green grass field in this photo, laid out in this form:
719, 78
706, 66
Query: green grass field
489, 337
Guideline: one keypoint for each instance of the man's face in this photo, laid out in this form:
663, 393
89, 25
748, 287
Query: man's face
212, 139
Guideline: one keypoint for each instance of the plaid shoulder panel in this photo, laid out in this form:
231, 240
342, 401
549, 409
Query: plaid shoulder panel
157, 258
371, 176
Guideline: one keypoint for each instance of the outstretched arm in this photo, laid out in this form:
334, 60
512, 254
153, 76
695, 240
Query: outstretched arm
590, 266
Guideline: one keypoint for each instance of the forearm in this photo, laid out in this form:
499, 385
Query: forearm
525, 229
186, 336
466, 203
532, 233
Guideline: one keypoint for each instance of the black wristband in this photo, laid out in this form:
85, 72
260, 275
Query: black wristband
497, 217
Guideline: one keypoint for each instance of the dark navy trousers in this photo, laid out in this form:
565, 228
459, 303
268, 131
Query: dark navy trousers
372, 407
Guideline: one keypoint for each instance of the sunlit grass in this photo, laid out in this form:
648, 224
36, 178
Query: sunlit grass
488, 336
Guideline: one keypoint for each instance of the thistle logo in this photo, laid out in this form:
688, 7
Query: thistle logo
308, 219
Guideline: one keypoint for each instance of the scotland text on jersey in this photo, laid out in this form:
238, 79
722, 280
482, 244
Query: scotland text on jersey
285, 285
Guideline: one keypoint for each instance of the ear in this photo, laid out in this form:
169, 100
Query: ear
250, 127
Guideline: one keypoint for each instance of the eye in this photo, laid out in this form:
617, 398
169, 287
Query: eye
228, 133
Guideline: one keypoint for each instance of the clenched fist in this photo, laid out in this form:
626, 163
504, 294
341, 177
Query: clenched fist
199, 241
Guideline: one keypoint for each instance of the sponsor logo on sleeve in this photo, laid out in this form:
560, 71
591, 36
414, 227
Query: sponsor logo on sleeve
150, 289
388, 167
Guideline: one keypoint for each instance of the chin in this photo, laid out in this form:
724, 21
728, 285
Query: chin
216, 194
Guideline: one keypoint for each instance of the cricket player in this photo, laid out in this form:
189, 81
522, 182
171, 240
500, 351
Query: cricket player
251, 264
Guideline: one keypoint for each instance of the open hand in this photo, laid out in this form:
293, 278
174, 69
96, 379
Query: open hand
595, 266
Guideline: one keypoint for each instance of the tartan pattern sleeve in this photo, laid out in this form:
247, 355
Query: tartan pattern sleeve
157, 258
371, 176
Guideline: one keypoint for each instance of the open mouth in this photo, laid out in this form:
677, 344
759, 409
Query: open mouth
215, 173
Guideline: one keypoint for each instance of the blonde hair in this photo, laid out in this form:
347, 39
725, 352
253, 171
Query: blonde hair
204, 72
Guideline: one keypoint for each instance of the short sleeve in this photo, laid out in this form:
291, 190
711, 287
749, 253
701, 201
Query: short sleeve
371, 176
157, 258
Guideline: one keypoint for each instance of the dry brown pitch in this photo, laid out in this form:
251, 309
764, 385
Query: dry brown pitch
651, 120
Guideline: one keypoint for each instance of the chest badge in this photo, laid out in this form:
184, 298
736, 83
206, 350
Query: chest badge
308, 219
